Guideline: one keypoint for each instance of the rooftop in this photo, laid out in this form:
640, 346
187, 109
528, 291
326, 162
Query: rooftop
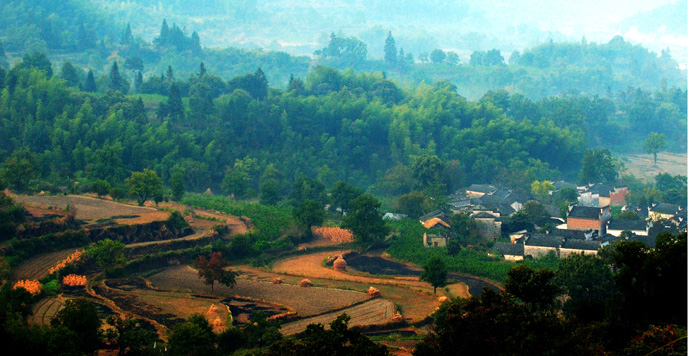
588, 245
509, 249
543, 240
631, 225
584, 212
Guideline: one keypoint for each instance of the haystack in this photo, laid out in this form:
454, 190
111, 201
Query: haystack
208, 192
374, 292
305, 283
397, 318
213, 309
277, 281
217, 322
339, 264
41, 193
442, 299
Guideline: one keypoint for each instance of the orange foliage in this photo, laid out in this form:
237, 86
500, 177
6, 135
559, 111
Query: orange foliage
70, 259
32, 286
334, 234
74, 280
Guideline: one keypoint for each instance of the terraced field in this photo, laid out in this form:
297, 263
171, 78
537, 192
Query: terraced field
93, 210
375, 311
45, 310
305, 301
38, 266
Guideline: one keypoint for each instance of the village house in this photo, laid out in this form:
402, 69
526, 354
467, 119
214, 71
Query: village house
510, 252
539, 245
491, 224
638, 227
479, 190
586, 218
602, 195
664, 211
576, 246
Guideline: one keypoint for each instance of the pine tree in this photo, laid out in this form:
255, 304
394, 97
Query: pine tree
115, 79
202, 70
127, 37
138, 81
90, 85
174, 104
195, 45
164, 38
3, 57
390, 49
169, 74
69, 74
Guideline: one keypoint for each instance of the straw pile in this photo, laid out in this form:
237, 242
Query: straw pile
277, 281
305, 283
442, 299
339, 264
74, 280
374, 292
397, 318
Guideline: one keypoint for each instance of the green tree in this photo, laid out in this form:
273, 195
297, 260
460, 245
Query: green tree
129, 335
80, 316
437, 56
90, 84
535, 288
588, 282
428, 170
70, 74
100, 187
107, 253
390, 49
654, 143
213, 270
177, 183
19, 169
435, 273
365, 221
415, 204
270, 185
145, 185
338, 340
115, 79
342, 194
308, 213
173, 106
598, 166
195, 337
541, 190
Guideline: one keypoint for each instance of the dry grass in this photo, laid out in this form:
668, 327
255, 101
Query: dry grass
304, 301
91, 209
642, 165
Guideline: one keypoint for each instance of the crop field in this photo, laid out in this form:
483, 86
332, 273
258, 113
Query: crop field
304, 301
94, 210
642, 165
372, 312
45, 310
38, 266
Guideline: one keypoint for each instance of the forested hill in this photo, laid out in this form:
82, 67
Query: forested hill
85, 32
241, 136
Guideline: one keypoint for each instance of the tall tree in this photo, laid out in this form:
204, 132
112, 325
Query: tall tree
19, 169
307, 214
213, 270
202, 70
138, 81
115, 79
90, 84
174, 107
365, 221
107, 253
390, 49
654, 143
80, 316
342, 194
435, 273
70, 74
437, 56
127, 36
598, 166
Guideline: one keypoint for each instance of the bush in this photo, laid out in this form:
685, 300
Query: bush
101, 187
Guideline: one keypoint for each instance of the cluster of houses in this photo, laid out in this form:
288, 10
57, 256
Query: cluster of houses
588, 226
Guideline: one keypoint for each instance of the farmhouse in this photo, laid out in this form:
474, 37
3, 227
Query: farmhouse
430, 240
479, 190
602, 195
510, 252
586, 218
638, 227
664, 211
538, 245
575, 246
491, 223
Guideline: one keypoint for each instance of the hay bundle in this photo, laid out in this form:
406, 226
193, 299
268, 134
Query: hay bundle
217, 322
442, 299
374, 292
42, 193
339, 264
74, 280
208, 192
277, 281
305, 283
397, 318
213, 309
31, 286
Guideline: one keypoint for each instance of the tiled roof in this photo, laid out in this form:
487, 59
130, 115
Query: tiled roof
509, 249
584, 212
482, 188
664, 208
543, 240
575, 244
632, 225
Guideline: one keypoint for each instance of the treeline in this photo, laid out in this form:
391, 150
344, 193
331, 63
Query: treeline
356, 127
627, 300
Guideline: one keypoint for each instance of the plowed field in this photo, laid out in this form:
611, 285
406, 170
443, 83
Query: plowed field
375, 311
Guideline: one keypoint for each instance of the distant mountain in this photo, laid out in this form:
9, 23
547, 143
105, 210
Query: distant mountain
671, 19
